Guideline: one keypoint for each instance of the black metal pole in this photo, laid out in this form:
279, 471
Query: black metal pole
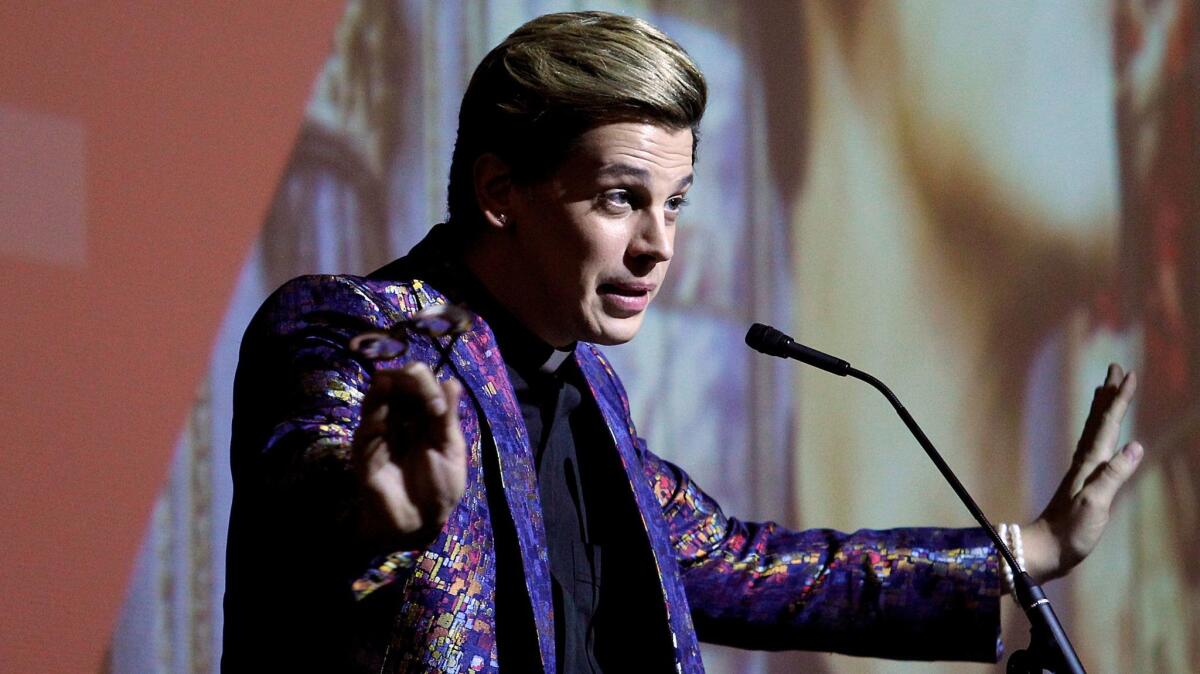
1049, 647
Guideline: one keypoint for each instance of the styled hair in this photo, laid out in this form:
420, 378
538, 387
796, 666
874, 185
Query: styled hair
558, 76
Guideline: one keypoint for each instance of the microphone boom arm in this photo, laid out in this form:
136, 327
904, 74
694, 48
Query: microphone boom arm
1049, 646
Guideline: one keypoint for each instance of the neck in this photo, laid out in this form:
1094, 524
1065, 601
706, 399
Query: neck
487, 259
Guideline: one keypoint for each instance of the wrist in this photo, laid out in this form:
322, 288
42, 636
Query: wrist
1043, 557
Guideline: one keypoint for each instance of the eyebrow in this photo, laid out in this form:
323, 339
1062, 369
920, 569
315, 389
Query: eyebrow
628, 171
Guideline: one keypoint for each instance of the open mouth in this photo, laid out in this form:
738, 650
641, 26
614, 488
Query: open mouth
625, 290
625, 299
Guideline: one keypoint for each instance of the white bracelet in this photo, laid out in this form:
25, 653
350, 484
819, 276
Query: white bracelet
1011, 535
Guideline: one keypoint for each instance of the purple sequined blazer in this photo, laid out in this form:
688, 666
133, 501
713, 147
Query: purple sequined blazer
303, 594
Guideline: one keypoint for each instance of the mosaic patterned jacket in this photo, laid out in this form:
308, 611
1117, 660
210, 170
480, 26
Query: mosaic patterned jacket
303, 594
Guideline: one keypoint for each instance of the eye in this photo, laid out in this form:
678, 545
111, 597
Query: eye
615, 200
676, 203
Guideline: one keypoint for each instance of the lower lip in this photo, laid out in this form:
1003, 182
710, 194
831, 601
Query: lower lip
625, 306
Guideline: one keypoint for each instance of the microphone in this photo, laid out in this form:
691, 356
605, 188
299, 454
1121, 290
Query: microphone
1049, 647
772, 342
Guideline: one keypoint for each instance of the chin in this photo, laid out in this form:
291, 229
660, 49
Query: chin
614, 331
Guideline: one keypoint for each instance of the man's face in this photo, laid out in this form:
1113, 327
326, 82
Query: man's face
593, 241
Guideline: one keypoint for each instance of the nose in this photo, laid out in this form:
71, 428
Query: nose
654, 238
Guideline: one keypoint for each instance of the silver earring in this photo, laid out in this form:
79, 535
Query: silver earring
502, 218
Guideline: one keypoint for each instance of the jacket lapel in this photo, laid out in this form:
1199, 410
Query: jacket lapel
478, 362
614, 408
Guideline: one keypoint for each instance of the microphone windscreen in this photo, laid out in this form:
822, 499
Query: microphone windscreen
768, 340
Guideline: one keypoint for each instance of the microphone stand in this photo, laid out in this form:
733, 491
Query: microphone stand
1049, 648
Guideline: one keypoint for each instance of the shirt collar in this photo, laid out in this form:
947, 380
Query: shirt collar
438, 260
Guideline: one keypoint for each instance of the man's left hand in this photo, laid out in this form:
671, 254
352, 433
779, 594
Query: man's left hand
1071, 525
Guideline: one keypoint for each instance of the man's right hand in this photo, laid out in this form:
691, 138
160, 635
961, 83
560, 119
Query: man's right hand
410, 457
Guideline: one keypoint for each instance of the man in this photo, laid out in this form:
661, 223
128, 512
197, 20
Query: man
483, 501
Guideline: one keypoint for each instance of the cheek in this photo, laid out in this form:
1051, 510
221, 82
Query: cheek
609, 243
591, 248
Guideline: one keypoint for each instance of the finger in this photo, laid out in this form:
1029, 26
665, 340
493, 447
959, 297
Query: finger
415, 382
388, 386
1103, 427
378, 392
1115, 404
1114, 376
383, 385
373, 417
447, 426
367, 449
1108, 478
1101, 398
1128, 386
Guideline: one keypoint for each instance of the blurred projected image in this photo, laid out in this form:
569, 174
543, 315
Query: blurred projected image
1157, 57
999, 199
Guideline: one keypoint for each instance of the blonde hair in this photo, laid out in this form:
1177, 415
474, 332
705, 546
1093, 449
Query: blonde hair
558, 76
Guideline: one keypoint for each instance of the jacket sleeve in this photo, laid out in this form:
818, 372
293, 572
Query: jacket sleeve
917, 593
297, 402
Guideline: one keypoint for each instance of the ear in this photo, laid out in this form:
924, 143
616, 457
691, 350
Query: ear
494, 190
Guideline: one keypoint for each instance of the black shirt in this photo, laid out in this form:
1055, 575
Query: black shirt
548, 385
550, 405
549, 389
